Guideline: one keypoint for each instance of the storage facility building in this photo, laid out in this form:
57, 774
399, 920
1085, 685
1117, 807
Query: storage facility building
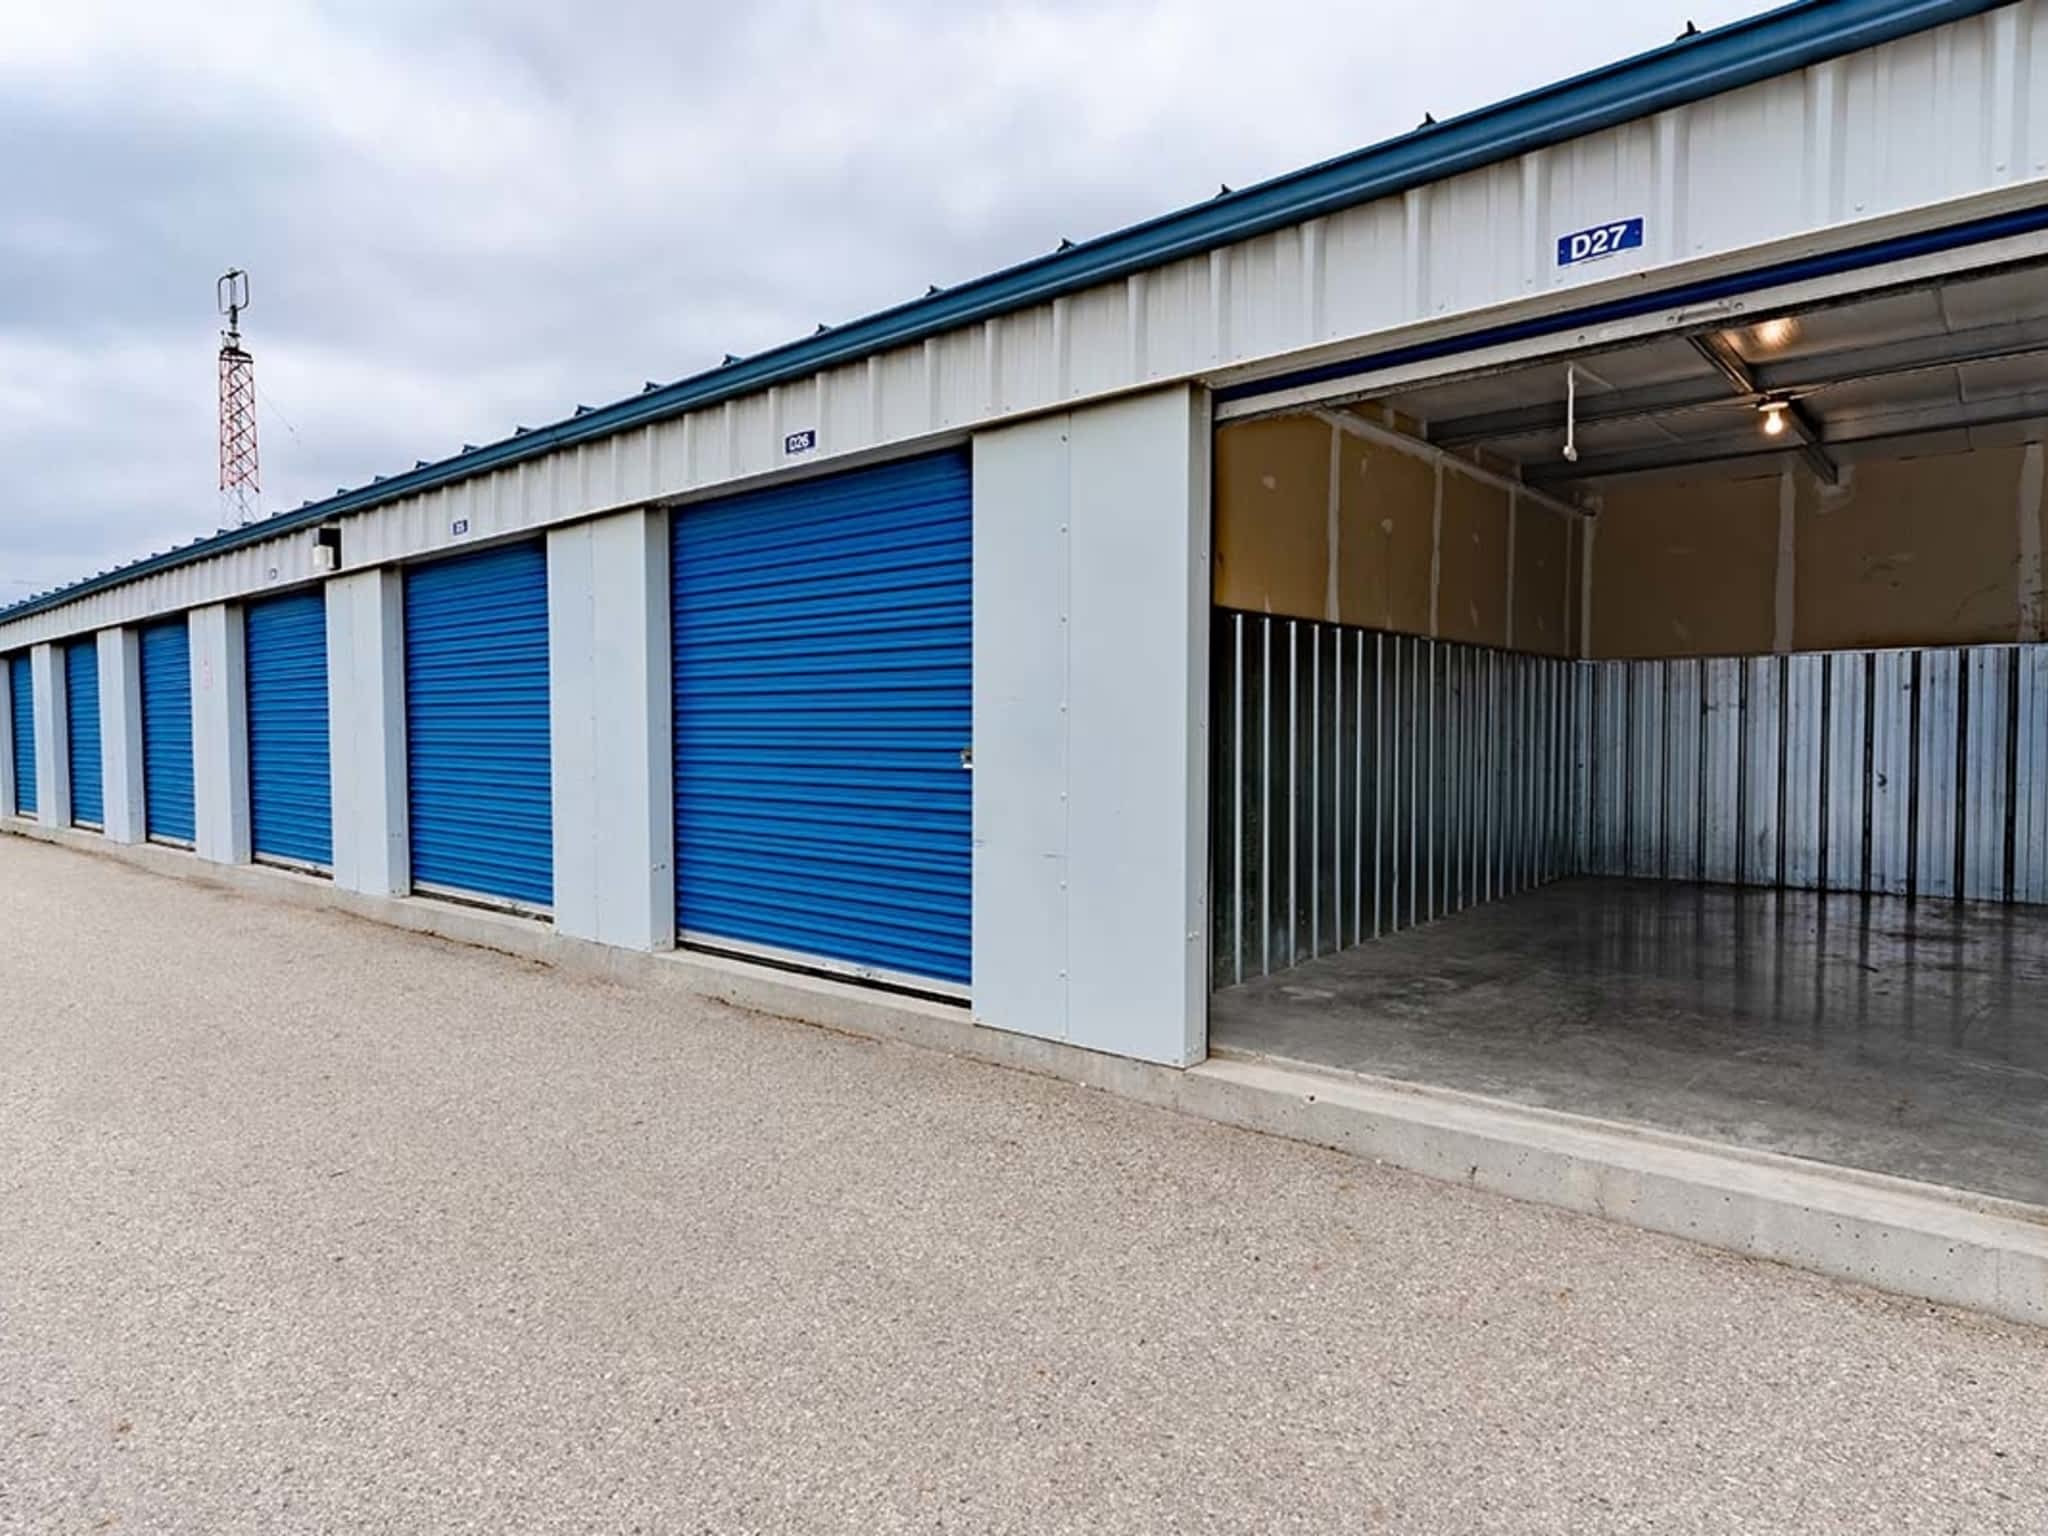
1426, 615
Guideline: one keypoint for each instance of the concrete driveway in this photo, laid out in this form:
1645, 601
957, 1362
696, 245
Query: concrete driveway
306, 1225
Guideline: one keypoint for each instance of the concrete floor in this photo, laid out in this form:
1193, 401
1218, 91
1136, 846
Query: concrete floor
313, 1226
1882, 1035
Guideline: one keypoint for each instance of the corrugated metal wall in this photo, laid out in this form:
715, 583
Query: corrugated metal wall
1365, 782
1919, 773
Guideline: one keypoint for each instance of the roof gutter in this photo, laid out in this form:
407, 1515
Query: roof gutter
1711, 63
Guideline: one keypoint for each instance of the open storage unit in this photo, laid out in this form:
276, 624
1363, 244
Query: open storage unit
1752, 682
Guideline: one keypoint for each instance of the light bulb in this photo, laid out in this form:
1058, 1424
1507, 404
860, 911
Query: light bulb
1774, 418
1776, 333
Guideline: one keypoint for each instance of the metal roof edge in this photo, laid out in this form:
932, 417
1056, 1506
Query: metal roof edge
1727, 58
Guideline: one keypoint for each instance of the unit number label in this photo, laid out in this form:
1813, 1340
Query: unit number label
1600, 240
801, 442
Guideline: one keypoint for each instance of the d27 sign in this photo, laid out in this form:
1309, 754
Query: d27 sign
1601, 240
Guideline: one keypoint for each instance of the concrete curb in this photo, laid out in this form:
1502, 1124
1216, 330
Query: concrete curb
1920, 1240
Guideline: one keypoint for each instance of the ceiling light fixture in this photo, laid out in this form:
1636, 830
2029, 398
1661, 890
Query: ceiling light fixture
1774, 416
1774, 334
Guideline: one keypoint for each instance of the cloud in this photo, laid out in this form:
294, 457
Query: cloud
458, 218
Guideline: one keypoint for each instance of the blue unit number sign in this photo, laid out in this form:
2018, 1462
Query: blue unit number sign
1600, 240
800, 442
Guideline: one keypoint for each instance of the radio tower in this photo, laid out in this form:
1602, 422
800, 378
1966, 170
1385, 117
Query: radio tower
240, 479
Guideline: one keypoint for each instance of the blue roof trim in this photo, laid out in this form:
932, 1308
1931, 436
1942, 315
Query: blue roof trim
1777, 42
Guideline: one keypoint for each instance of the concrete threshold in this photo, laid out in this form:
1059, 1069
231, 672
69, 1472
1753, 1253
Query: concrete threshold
1939, 1244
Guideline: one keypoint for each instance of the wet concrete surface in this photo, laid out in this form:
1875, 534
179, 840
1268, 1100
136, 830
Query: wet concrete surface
1902, 1038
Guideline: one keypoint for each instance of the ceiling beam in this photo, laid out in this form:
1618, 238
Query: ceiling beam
1995, 413
1644, 460
1720, 353
1918, 354
1948, 416
1981, 344
1527, 420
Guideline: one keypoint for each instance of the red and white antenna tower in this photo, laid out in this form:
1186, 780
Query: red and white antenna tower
240, 477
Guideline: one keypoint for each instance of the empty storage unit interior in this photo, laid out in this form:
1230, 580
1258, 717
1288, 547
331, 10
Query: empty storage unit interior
1730, 730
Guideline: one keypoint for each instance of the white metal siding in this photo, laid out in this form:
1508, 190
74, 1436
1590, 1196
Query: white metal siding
1090, 793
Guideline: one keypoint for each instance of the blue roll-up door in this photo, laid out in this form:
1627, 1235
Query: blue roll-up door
478, 774
82, 727
167, 730
823, 700
21, 685
290, 815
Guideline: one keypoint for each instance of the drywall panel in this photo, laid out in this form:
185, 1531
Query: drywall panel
1472, 560
1386, 514
1273, 531
1542, 580
1579, 552
1905, 552
1408, 543
2031, 518
1911, 552
1686, 569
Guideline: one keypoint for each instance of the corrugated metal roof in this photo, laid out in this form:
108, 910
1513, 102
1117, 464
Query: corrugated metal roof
1689, 69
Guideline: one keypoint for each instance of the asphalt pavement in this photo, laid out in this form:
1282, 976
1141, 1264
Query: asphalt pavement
311, 1226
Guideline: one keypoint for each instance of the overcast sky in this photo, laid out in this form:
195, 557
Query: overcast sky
459, 217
